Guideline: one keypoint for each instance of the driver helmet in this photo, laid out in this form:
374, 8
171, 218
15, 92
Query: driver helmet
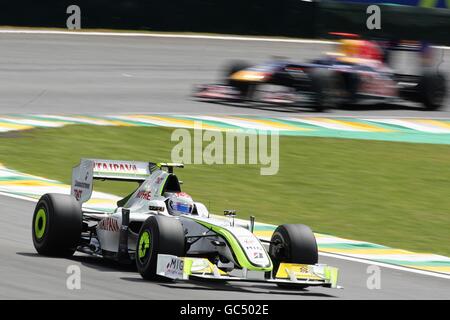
362, 49
180, 203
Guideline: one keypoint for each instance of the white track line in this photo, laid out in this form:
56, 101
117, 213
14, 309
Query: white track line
422, 127
385, 265
165, 35
177, 113
11, 195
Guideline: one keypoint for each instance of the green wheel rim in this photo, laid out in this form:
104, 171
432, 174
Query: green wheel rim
144, 244
40, 223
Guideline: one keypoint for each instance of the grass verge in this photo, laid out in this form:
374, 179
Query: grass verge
391, 193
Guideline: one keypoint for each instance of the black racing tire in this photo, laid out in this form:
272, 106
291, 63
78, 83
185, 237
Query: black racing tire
349, 83
57, 225
293, 243
321, 89
158, 235
432, 89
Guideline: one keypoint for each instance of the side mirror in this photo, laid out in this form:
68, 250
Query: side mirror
229, 213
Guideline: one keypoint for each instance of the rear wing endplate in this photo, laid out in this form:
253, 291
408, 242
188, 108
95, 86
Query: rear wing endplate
98, 169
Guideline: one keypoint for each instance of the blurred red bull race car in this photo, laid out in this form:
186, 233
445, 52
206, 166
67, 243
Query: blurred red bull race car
359, 72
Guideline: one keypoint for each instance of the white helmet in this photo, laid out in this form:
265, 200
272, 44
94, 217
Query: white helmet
180, 203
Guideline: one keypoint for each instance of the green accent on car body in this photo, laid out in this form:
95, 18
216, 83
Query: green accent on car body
239, 253
40, 223
144, 244
331, 275
187, 266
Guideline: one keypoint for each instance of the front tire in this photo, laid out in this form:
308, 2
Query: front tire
57, 225
293, 243
432, 90
158, 235
322, 89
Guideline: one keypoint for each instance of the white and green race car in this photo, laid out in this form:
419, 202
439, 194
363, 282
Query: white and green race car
168, 235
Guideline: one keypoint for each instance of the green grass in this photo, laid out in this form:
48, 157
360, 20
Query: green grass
391, 193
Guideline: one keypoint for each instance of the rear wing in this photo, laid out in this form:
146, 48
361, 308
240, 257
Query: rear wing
89, 170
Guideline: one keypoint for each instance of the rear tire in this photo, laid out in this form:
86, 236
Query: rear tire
57, 225
432, 90
158, 235
292, 243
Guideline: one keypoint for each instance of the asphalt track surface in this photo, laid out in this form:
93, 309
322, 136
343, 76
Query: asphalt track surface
106, 74
48, 73
26, 275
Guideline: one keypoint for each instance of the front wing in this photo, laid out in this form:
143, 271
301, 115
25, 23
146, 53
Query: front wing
188, 268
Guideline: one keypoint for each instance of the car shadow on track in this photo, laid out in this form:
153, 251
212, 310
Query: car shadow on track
306, 109
226, 286
105, 265
263, 107
382, 107
98, 263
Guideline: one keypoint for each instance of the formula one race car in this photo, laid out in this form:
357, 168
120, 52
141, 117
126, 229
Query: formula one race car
358, 73
168, 235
